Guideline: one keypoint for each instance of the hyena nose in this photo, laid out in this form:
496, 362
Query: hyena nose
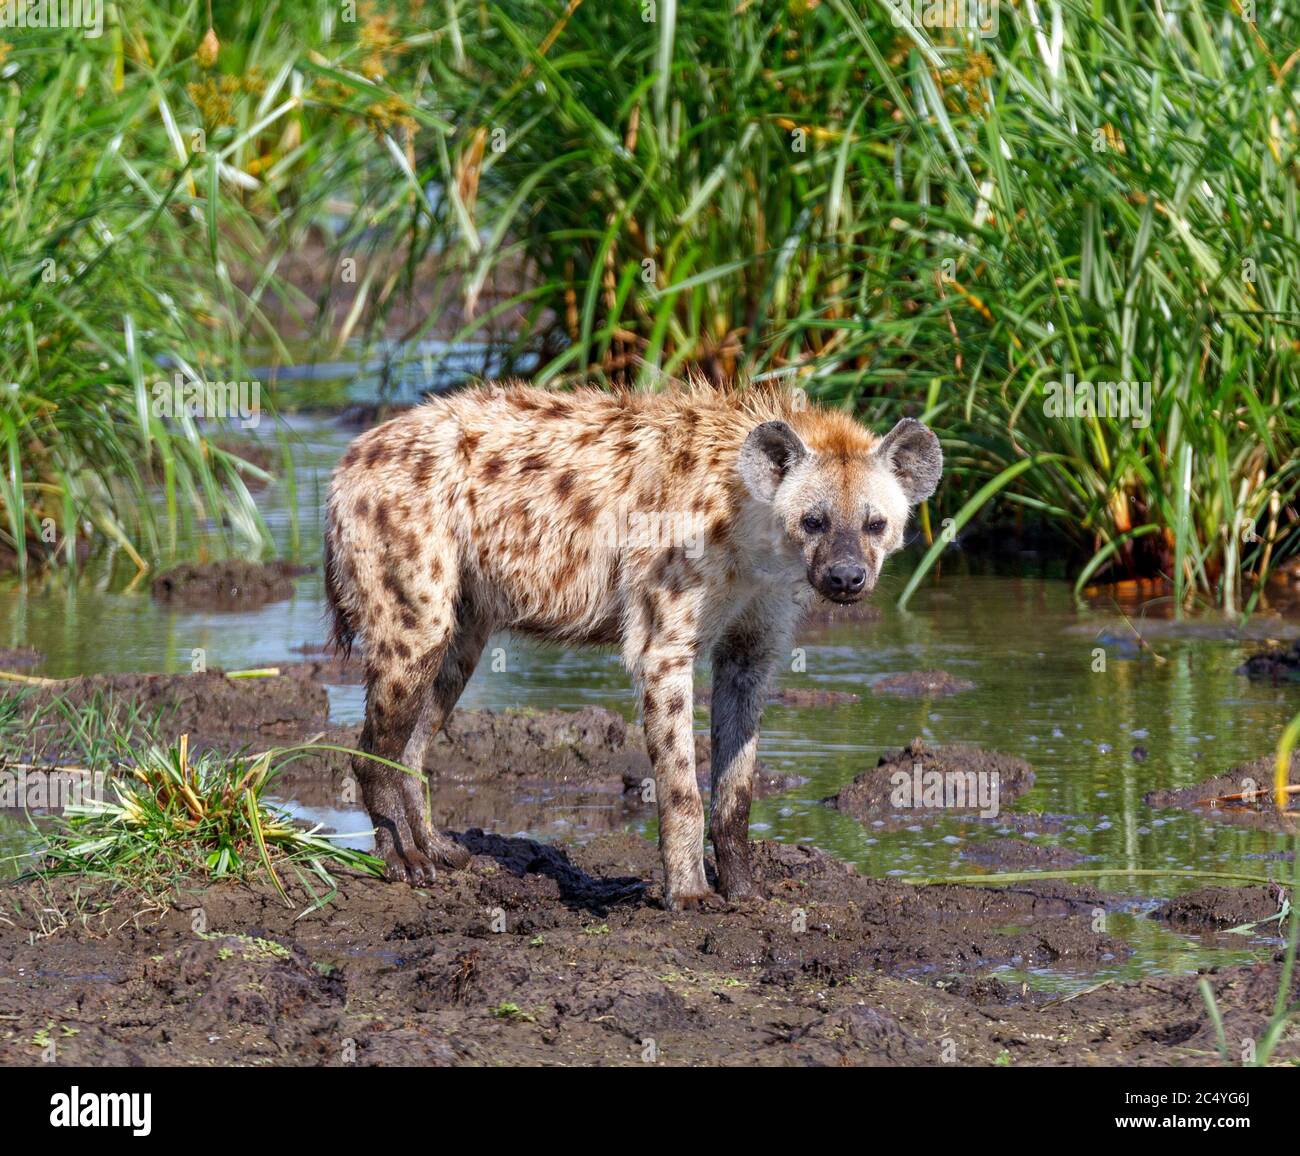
846, 578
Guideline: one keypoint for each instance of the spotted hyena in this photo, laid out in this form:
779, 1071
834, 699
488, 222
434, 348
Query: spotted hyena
673, 525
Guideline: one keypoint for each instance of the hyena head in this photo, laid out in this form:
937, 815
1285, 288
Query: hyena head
842, 512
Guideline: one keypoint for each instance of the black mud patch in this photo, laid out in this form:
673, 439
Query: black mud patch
228, 585
869, 798
922, 683
543, 954
1256, 775
1275, 665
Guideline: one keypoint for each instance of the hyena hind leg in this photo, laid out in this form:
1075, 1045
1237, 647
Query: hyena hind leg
401, 669
440, 698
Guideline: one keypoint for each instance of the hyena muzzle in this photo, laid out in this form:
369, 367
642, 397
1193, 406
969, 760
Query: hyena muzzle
675, 525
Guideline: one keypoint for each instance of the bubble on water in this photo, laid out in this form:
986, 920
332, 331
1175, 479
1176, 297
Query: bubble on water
1104, 748
1031, 834
951, 839
1104, 826
1103, 794
915, 829
1144, 830
1057, 733
1140, 733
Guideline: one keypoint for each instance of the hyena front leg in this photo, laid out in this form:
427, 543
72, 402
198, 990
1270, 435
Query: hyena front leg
743, 662
665, 675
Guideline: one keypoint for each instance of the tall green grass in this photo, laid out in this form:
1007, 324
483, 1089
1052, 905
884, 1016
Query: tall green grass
902, 219
149, 199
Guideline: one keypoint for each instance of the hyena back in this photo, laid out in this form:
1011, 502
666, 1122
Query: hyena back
675, 525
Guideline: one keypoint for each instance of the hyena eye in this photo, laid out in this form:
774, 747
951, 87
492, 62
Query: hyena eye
875, 527
814, 523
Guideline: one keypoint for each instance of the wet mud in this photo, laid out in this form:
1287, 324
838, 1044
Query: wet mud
562, 953
897, 791
922, 684
1275, 665
544, 954
1255, 776
227, 585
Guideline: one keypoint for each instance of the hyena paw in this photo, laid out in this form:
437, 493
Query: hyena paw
443, 851
692, 901
409, 866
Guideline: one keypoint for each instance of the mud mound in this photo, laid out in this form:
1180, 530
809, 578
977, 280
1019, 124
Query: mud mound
919, 784
17, 656
792, 696
214, 710
1254, 775
523, 769
1219, 907
545, 954
229, 585
1274, 665
1021, 855
930, 683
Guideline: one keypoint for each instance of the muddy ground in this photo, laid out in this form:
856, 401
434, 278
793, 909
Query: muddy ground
542, 954
562, 953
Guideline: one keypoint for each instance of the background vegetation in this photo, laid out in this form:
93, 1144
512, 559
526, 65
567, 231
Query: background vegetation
897, 218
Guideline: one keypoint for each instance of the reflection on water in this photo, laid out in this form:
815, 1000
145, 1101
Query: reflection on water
1023, 643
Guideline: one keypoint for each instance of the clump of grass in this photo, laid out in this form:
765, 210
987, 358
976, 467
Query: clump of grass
171, 816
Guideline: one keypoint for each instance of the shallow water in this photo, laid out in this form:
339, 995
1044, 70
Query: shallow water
1023, 642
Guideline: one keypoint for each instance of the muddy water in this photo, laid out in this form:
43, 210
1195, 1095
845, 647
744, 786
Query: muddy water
1027, 648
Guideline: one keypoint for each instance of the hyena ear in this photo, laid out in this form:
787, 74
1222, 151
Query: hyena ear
912, 454
769, 452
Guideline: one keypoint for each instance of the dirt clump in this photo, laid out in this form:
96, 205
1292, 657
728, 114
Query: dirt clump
948, 779
1275, 665
1219, 907
922, 683
233, 584
1256, 775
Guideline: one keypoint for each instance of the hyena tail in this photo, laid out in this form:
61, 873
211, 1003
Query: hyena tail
342, 632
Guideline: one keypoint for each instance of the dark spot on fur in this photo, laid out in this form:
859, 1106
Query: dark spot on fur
422, 474
564, 484
533, 462
584, 511
493, 466
677, 704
